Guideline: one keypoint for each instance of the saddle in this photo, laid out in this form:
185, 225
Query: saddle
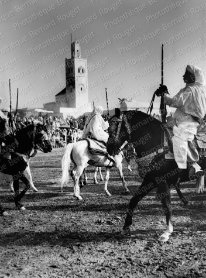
99, 150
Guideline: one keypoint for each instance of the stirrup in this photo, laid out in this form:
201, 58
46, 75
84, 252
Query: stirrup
196, 174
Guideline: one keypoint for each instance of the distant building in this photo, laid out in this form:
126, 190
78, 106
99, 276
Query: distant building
73, 99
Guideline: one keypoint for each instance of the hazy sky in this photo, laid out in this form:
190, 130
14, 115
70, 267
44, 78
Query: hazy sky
121, 40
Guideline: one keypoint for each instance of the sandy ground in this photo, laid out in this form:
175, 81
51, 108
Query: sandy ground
58, 236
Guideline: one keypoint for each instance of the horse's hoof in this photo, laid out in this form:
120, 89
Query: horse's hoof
95, 182
21, 207
78, 197
4, 213
108, 194
164, 237
126, 231
35, 190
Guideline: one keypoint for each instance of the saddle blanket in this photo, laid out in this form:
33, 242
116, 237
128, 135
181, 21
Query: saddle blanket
99, 151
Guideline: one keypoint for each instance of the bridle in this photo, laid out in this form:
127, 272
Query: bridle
34, 143
128, 128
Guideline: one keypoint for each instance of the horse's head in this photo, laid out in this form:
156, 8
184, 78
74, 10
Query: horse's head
138, 128
41, 139
118, 134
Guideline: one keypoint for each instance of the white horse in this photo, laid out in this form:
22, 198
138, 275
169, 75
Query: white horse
79, 154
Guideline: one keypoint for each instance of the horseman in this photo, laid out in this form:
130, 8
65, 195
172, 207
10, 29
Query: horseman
191, 109
4, 128
95, 126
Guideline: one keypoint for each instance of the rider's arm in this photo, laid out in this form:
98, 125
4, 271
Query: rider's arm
179, 99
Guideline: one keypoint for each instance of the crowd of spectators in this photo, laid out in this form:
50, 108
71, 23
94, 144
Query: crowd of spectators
61, 131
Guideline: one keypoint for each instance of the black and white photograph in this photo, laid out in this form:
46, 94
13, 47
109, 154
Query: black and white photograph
102, 138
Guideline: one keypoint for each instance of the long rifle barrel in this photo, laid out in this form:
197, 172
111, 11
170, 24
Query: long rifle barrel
162, 65
17, 100
10, 93
162, 102
107, 101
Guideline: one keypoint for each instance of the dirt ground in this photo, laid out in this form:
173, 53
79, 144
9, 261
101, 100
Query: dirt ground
58, 236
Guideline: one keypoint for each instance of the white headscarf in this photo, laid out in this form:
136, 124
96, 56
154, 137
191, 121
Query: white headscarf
195, 102
199, 77
99, 109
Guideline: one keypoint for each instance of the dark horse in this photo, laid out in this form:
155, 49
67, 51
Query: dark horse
18, 149
147, 135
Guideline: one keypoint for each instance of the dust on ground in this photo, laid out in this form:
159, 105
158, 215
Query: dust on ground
58, 236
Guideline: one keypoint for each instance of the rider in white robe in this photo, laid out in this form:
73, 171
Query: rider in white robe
95, 126
4, 130
191, 109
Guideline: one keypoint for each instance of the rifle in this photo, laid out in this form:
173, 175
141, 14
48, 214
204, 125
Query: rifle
10, 115
17, 101
107, 103
163, 109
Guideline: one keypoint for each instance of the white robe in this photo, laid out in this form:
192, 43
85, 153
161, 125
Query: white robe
191, 106
95, 128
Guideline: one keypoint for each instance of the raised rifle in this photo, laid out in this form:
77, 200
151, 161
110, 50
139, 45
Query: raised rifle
163, 109
107, 103
10, 113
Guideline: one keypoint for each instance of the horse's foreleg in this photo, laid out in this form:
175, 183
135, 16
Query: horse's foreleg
83, 179
182, 198
11, 185
77, 173
200, 184
119, 166
28, 171
142, 191
164, 194
2, 211
18, 196
100, 173
106, 182
95, 175
16, 191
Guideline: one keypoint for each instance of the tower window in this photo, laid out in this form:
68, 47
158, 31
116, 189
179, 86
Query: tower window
81, 70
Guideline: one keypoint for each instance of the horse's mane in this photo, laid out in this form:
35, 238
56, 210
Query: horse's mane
146, 132
142, 116
24, 138
24, 131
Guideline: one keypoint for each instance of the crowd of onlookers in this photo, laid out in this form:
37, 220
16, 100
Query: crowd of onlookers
60, 131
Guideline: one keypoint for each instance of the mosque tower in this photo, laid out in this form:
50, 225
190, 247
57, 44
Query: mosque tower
76, 78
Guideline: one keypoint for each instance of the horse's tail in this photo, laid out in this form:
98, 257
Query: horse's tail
66, 161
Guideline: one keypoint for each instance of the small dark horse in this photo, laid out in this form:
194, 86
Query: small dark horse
147, 135
21, 145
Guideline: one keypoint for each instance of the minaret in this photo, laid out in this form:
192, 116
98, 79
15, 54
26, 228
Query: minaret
76, 78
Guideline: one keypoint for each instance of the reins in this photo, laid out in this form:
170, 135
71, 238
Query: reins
128, 128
